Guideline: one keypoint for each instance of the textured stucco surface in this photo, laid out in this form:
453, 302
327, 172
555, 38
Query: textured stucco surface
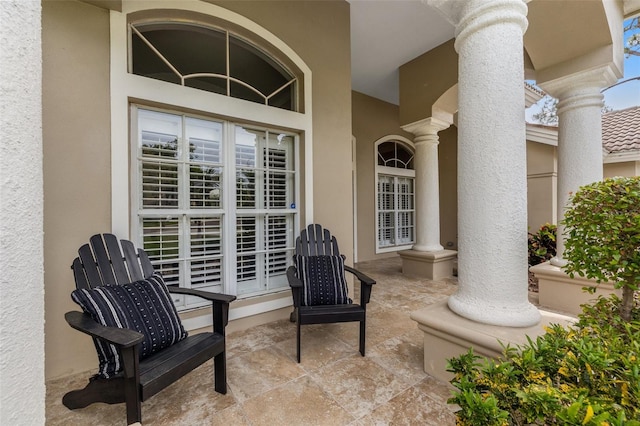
22, 390
492, 214
579, 145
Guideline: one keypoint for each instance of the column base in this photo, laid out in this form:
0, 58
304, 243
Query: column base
560, 292
433, 265
447, 335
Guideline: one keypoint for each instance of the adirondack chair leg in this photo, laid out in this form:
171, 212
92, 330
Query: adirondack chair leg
298, 340
363, 328
219, 367
108, 391
132, 384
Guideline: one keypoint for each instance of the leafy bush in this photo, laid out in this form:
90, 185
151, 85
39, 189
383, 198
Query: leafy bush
587, 374
542, 244
603, 235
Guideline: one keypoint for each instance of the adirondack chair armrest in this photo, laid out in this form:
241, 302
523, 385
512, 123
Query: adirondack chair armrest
364, 279
295, 284
219, 301
292, 277
122, 337
207, 295
366, 284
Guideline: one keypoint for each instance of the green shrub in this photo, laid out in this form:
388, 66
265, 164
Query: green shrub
603, 235
542, 244
587, 374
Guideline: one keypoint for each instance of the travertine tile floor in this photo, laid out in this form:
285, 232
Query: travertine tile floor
333, 385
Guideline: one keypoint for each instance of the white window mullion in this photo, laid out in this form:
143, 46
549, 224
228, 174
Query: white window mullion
184, 242
185, 229
394, 212
229, 203
262, 206
136, 172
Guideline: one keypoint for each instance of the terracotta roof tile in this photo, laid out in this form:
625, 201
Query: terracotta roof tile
621, 130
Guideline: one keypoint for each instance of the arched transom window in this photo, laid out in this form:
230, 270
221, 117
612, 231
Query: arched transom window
210, 59
395, 206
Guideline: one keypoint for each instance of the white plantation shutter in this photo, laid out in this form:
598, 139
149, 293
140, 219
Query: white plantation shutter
161, 242
205, 262
245, 169
386, 207
204, 139
405, 229
276, 182
265, 180
182, 180
246, 246
278, 249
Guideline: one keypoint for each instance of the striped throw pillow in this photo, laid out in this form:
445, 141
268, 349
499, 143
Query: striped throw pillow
323, 280
144, 306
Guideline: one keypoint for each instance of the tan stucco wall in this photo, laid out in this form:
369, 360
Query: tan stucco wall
627, 168
424, 79
77, 194
541, 184
77, 139
372, 119
448, 168
542, 179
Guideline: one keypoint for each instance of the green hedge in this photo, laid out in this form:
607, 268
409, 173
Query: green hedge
587, 374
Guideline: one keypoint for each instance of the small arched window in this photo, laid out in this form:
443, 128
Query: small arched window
395, 154
395, 208
211, 59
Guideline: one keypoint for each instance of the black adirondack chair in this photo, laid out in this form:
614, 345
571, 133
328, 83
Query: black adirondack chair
316, 243
105, 262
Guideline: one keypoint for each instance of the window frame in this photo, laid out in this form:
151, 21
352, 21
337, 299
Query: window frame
227, 212
395, 173
231, 39
128, 89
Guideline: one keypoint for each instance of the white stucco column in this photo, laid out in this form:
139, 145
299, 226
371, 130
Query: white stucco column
579, 137
492, 181
427, 182
22, 388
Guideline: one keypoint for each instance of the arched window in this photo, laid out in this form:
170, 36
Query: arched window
395, 154
210, 59
395, 207
208, 111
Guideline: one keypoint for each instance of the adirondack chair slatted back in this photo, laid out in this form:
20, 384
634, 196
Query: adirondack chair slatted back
105, 261
122, 327
327, 277
315, 241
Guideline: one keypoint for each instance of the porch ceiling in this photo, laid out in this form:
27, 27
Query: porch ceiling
386, 34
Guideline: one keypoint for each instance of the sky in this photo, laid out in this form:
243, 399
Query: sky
623, 96
627, 94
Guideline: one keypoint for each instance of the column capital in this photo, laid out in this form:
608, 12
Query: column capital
426, 126
594, 79
471, 16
